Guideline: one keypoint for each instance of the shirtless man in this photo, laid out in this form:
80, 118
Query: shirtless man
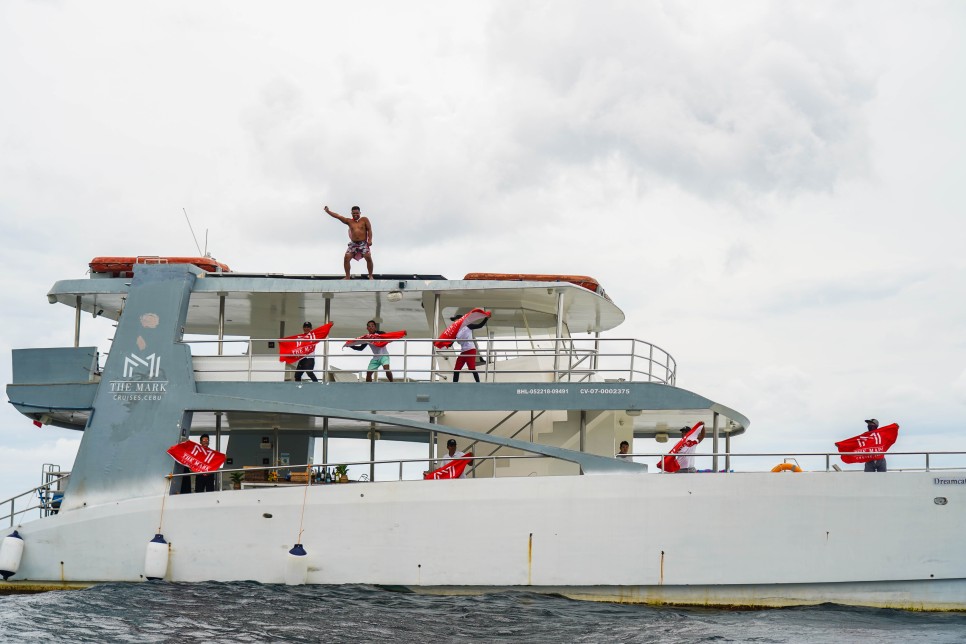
360, 237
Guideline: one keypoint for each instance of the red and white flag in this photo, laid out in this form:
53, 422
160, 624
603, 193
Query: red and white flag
195, 457
452, 470
474, 319
876, 440
295, 347
670, 462
379, 339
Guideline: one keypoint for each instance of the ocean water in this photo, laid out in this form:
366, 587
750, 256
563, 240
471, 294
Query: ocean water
251, 612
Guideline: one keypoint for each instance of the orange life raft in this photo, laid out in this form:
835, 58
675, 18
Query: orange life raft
588, 283
124, 266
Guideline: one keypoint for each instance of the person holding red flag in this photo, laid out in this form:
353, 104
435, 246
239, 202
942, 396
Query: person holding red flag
306, 364
874, 439
468, 353
461, 330
876, 464
300, 349
680, 459
205, 482
686, 454
378, 341
455, 455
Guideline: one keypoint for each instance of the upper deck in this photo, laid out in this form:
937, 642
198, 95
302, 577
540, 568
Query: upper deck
233, 322
260, 305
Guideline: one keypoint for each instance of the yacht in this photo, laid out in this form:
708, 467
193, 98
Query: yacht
545, 504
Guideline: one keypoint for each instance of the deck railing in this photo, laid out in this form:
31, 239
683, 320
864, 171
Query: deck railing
739, 462
416, 359
41, 498
939, 462
818, 462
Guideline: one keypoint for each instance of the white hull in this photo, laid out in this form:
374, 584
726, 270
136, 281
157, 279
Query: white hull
755, 539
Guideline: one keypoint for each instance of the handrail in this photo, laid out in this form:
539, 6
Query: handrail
318, 466
828, 456
31, 493
472, 467
477, 459
618, 359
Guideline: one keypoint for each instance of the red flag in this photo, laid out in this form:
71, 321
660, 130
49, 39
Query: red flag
375, 339
195, 457
876, 440
471, 319
670, 462
452, 470
295, 347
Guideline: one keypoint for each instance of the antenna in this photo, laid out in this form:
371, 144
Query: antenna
193, 233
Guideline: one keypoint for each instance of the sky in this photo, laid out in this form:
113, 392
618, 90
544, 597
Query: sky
772, 191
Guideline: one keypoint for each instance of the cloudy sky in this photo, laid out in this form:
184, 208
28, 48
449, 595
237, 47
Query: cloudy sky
772, 191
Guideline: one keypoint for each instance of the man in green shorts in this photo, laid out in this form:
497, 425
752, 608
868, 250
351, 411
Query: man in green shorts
380, 355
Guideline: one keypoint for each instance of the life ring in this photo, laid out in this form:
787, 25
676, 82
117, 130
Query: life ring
785, 467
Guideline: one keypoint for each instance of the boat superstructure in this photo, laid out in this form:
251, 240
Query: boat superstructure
546, 505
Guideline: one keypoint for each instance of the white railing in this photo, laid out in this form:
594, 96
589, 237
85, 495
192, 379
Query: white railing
730, 462
45, 498
396, 470
40, 498
503, 360
280, 474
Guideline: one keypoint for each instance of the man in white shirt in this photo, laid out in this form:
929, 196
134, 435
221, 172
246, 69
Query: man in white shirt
452, 454
467, 353
685, 455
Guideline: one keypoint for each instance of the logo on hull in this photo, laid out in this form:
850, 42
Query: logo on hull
141, 379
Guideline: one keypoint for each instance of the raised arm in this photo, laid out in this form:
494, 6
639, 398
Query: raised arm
344, 220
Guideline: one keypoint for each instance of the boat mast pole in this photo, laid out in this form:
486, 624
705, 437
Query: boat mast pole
373, 434
432, 345
583, 430
77, 323
430, 465
433, 366
597, 337
714, 444
218, 440
557, 343
325, 378
325, 344
221, 323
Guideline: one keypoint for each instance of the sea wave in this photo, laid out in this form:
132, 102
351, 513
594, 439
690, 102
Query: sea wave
252, 612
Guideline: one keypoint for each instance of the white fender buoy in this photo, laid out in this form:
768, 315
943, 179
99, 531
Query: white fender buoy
11, 551
296, 566
156, 558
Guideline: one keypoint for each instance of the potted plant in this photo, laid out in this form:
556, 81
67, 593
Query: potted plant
342, 473
236, 479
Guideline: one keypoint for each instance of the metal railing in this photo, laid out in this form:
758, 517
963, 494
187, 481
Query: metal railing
316, 470
922, 461
500, 360
39, 498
